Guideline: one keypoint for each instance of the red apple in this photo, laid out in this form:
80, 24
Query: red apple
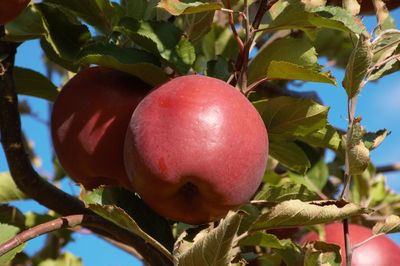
195, 148
380, 251
367, 6
89, 121
10, 9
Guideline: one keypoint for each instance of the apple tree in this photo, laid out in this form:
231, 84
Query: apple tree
180, 122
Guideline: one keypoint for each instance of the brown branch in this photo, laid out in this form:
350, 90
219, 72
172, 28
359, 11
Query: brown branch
242, 58
232, 25
28, 180
41, 229
388, 168
347, 246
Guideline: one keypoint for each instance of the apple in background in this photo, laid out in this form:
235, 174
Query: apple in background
195, 148
380, 251
10, 9
367, 6
89, 122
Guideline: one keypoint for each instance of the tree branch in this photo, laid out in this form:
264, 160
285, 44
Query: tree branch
28, 180
388, 168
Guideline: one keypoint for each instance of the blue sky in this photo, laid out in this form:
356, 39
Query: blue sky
379, 105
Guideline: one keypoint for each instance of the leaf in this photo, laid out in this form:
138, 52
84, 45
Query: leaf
290, 155
358, 154
63, 260
292, 116
177, 8
373, 139
64, 34
327, 137
98, 202
11, 216
218, 68
289, 251
214, 248
26, 26
321, 253
98, 13
285, 191
136, 62
8, 189
279, 60
32, 83
291, 14
281, 50
6, 233
134, 8
197, 25
160, 38
289, 71
357, 67
390, 225
297, 213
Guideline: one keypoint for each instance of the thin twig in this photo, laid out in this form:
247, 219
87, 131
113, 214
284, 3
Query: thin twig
365, 241
388, 168
41, 229
347, 242
233, 28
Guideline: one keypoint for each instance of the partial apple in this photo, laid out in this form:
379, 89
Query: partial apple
367, 6
380, 251
10, 9
89, 121
195, 148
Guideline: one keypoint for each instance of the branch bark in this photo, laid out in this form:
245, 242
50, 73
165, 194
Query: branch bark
28, 180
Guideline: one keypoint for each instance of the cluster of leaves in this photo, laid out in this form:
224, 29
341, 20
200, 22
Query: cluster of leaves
156, 40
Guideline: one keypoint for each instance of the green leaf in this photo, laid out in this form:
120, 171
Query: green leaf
213, 249
161, 38
98, 13
279, 60
27, 26
177, 8
8, 189
290, 155
197, 25
390, 225
357, 67
373, 139
6, 233
321, 253
358, 153
289, 251
297, 213
63, 260
291, 14
292, 116
289, 71
99, 202
285, 191
327, 137
12, 216
64, 34
136, 62
32, 83
134, 8
218, 68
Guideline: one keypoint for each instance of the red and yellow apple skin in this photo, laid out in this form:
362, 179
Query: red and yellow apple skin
89, 121
367, 6
10, 9
380, 251
195, 148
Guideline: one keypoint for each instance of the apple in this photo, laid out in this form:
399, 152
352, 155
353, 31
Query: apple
380, 251
89, 121
195, 148
10, 9
367, 6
